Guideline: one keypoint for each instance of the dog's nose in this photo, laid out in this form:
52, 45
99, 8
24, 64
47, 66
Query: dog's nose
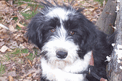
61, 54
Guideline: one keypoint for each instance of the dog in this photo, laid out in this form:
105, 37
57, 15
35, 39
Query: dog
67, 40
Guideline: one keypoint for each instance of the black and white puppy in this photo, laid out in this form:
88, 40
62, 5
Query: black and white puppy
67, 39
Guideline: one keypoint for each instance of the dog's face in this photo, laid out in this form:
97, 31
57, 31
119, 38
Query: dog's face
62, 34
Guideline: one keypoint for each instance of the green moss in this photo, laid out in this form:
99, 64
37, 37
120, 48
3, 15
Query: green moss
30, 56
2, 69
100, 1
15, 18
18, 28
17, 51
29, 15
24, 50
7, 57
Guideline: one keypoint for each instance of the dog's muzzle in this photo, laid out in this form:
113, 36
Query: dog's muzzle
61, 53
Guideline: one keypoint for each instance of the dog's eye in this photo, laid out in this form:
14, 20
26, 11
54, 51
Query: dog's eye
52, 30
72, 33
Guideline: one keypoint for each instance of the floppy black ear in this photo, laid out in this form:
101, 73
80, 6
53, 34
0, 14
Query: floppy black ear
34, 33
90, 35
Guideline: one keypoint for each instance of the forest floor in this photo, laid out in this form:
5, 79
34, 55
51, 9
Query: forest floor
20, 60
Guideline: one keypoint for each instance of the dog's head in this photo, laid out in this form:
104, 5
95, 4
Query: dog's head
62, 33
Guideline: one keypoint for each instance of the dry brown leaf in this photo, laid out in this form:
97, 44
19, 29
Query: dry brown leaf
30, 62
25, 10
21, 46
11, 78
30, 75
20, 39
76, 4
4, 49
12, 29
16, 35
24, 5
95, 9
24, 55
20, 17
9, 49
20, 25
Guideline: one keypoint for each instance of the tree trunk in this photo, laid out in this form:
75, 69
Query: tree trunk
114, 69
107, 17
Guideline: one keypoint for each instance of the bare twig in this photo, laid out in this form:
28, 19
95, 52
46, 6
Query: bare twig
3, 26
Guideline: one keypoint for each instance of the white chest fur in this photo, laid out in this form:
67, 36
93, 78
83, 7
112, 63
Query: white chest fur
66, 74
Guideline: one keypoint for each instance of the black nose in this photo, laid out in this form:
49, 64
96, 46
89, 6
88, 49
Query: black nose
61, 54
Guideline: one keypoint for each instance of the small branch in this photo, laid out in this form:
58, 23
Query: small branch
3, 26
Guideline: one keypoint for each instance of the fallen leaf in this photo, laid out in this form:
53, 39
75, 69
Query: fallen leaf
24, 6
25, 10
11, 78
30, 62
22, 46
20, 25
11, 28
76, 4
20, 17
30, 75
20, 39
95, 9
24, 55
4, 49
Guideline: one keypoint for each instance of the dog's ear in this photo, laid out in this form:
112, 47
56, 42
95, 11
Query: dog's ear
34, 33
89, 36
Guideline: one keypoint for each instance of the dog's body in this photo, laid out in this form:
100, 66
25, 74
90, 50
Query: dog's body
67, 39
